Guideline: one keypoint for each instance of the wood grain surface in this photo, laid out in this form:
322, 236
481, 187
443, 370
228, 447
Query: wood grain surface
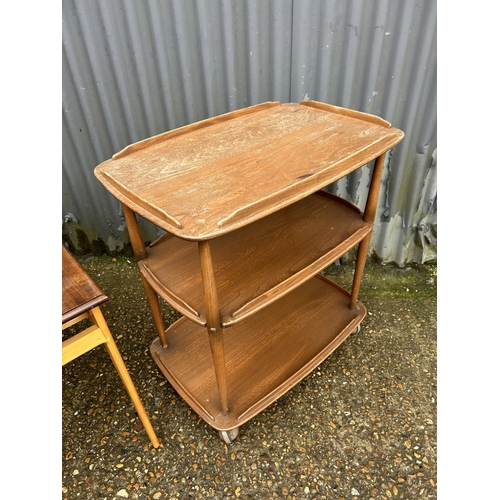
214, 176
265, 355
79, 292
258, 263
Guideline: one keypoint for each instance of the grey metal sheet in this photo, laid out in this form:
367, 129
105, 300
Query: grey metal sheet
135, 69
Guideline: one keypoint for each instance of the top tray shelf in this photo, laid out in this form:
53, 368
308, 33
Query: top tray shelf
209, 178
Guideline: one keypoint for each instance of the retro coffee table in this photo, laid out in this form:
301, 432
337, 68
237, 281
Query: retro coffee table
248, 230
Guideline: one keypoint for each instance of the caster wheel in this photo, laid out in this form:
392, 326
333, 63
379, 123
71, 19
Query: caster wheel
229, 436
357, 330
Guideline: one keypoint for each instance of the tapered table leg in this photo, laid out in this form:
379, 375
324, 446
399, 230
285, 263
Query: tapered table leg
117, 359
214, 325
368, 216
140, 253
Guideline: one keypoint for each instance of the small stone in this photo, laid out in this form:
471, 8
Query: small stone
123, 493
76, 472
157, 495
354, 492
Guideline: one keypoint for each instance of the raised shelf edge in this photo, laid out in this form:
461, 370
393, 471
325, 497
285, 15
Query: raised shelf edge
226, 423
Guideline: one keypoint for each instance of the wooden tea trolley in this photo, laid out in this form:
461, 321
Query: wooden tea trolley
248, 229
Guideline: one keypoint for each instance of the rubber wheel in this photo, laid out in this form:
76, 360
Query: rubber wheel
229, 436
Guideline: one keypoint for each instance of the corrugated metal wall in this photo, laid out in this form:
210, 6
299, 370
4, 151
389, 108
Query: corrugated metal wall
135, 69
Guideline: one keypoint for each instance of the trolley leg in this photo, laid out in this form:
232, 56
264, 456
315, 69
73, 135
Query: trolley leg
140, 253
214, 326
369, 216
358, 271
154, 305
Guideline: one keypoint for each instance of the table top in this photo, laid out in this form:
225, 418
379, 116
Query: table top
79, 292
213, 176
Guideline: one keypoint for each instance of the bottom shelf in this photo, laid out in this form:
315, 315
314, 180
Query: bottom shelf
265, 355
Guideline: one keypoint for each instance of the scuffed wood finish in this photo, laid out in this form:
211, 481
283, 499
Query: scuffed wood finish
151, 141
347, 112
257, 264
215, 176
265, 355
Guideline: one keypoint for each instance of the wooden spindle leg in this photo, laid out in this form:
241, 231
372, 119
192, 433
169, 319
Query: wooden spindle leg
214, 325
358, 270
371, 201
368, 216
134, 232
141, 253
154, 305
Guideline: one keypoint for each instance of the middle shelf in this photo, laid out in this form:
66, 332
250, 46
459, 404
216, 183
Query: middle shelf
257, 264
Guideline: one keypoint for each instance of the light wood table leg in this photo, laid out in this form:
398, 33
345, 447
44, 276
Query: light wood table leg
124, 375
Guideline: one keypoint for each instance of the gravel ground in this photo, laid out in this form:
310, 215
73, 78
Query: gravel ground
362, 425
